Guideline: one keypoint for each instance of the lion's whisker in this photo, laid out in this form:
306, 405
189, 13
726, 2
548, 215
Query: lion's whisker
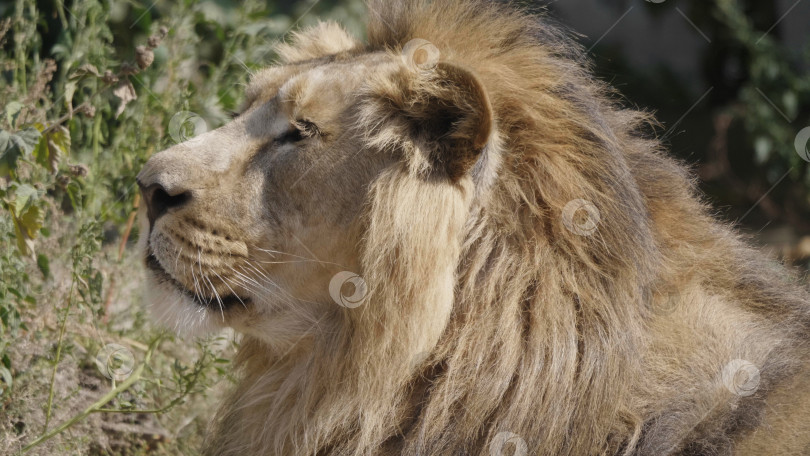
306, 248
273, 252
270, 281
177, 258
253, 285
197, 288
229, 287
286, 262
249, 279
214, 292
218, 298
278, 293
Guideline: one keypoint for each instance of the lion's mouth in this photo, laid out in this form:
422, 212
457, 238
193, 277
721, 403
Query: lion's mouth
225, 301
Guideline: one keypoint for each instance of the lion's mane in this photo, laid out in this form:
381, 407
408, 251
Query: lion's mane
487, 316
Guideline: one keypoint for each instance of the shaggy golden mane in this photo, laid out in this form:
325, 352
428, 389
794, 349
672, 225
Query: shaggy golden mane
490, 320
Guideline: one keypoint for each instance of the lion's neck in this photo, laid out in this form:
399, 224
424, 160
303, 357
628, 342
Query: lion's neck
514, 342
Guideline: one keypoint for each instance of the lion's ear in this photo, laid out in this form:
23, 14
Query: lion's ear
450, 120
325, 38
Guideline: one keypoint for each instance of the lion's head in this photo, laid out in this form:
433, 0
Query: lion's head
448, 239
249, 224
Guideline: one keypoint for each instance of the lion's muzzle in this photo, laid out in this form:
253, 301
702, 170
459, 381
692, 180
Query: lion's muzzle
158, 200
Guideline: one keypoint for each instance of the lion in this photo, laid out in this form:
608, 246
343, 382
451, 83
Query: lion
453, 240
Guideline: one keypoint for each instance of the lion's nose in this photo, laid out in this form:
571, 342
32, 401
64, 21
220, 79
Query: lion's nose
159, 201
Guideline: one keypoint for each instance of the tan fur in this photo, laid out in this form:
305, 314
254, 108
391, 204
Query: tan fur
488, 317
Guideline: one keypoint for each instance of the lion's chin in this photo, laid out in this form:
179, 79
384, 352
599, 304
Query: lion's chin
174, 307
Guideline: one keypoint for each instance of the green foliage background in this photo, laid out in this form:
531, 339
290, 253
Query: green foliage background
72, 139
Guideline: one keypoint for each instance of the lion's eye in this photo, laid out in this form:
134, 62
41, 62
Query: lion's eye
291, 136
300, 130
307, 128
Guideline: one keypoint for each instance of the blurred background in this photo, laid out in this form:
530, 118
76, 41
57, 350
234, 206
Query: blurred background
730, 83
90, 89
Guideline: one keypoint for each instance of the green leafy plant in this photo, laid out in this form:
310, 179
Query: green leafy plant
88, 91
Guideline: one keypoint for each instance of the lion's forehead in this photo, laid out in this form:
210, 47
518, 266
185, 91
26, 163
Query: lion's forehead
323, 81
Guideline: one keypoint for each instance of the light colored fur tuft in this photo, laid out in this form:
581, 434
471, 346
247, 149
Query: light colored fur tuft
326, 38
